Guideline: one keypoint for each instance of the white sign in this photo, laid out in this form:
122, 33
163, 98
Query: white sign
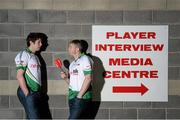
135, 62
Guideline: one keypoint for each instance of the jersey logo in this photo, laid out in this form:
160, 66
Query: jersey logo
88, 66
75, 72
77, 64
20, 61
35, 65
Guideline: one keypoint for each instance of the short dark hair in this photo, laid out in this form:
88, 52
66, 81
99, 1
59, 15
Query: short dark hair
33, 36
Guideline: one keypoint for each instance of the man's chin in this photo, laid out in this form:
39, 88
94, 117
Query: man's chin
38, 49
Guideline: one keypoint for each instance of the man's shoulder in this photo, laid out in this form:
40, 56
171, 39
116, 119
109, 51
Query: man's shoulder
23, 53
86, 58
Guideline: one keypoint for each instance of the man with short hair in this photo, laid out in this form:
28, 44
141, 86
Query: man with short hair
29, 76
80, 73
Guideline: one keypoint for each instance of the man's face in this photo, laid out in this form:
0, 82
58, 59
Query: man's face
72, 49
36, 45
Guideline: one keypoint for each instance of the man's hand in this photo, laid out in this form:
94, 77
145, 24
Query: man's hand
21, 81
85, 86
26, 94
65, 77
79, 96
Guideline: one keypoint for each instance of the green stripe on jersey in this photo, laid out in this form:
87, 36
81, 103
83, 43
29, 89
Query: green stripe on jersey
32, 84
73, 94
87, 72
21, 67
29, 73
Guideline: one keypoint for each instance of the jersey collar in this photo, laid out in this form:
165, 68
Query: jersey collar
28, 50
82, 54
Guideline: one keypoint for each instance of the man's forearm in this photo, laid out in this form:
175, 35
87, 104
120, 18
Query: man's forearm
23, 85
85, 87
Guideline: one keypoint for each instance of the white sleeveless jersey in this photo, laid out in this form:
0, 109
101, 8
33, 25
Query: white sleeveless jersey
29, 62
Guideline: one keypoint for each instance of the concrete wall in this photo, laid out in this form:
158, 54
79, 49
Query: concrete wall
63, 20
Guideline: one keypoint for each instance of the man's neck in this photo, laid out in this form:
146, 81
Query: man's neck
77, 56
31, 50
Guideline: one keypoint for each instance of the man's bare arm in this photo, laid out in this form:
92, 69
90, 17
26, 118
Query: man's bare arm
85, 86
22, 82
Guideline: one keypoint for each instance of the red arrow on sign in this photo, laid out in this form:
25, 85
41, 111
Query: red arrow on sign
130, 89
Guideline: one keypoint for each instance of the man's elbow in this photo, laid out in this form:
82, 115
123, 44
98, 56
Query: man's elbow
18, 77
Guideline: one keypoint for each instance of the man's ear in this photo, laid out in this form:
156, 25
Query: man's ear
78, 50
30, 42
